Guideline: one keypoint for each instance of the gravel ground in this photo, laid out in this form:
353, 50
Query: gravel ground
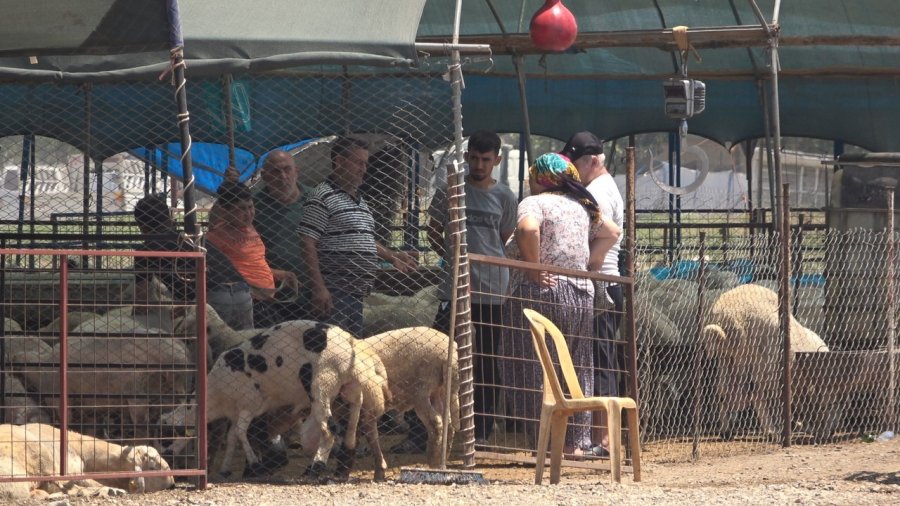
850, 473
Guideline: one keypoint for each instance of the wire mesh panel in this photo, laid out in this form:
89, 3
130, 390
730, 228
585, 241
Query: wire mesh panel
711, 343
508, 375
93, 352
112, 151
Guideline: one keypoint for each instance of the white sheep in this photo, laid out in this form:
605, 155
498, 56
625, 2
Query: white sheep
382, 313
219, 336
24, 452
742, 334
115, 322
18, 407
416, 359
97, 455
162, 369
302, 364
10, 325
376, 396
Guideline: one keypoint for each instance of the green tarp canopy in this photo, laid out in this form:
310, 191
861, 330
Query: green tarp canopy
840, 64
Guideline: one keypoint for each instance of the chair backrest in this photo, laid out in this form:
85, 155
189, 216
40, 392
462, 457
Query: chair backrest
540, 327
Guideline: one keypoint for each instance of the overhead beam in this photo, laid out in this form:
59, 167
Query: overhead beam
853, 73
700, 38
725, 36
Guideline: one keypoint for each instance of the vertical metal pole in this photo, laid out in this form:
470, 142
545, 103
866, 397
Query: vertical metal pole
784, 313
770, 161
24, 170
3, 327
677, 231
748, 163
670, 232
776, 115
229, 118
631, 250
86, 177
176, 43
522, 166
461, 331
32, 155
98, 220
523, 103
697, 361
890, 406
202, 339
147, 174
158, 163
63, 363
798, 262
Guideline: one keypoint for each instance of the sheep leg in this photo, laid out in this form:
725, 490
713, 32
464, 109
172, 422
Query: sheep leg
346, 455
369, 425
238, 433
437, 404
434, 426
325, 386
764, 391
727, 397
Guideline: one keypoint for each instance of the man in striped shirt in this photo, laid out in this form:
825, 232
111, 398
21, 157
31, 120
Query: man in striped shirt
337, 237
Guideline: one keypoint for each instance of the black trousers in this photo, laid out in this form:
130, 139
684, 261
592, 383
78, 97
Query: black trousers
607, 349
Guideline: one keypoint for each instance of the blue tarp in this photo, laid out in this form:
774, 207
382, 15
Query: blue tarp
210, 161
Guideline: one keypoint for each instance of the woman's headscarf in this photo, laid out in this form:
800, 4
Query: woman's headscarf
558, 175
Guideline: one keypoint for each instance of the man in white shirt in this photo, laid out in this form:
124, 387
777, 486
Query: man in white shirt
585, 151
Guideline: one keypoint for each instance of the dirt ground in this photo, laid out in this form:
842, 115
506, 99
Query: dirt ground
849, 473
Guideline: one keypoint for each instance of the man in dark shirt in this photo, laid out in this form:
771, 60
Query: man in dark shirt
178, 275
279, 200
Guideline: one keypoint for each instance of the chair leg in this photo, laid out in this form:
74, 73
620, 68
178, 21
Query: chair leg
634, 439
614, 413
560, 420
542, 443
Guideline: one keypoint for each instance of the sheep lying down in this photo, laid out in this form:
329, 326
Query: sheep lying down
92, 383
33, 450
742, 333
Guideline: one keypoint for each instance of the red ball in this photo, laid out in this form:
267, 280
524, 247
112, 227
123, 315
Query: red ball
553, 27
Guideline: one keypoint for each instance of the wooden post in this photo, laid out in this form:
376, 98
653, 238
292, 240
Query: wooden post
631, 250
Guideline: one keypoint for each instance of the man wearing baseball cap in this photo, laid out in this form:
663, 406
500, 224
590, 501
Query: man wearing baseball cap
585, 150
582, 144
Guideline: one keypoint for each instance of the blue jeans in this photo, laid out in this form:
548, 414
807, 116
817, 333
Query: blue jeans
348, 311
233, 303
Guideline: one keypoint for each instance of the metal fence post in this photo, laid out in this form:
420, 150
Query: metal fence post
63, 364
890, 399
784, 311
798, 261
697, 361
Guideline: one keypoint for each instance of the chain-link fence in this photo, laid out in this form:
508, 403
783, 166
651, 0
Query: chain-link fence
508, 375
711, 356
85, 188
95, 352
